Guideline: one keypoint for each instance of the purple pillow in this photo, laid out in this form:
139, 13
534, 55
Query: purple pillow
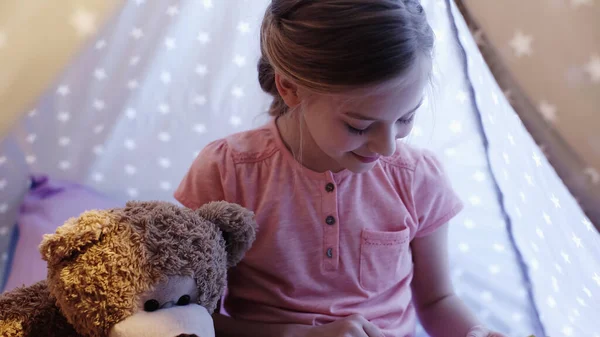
47, 205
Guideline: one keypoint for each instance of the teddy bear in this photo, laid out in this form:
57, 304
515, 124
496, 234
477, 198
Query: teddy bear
146, 269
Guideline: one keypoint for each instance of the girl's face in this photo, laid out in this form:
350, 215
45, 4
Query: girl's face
355, 130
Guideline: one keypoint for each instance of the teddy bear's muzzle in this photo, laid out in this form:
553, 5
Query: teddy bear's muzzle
179, 321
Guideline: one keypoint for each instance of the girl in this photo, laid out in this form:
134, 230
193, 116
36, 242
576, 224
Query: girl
352, 224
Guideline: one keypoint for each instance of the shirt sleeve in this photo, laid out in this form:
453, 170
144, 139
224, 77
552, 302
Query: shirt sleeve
435, 201
211, 177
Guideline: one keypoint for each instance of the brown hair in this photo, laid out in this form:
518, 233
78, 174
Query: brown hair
333, 45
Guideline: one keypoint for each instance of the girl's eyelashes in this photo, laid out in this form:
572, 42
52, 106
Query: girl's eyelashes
407, 120
355, 130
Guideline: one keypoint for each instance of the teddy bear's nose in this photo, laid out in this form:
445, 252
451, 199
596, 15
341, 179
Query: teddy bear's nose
187, 335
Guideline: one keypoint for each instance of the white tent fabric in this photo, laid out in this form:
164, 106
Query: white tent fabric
162, 79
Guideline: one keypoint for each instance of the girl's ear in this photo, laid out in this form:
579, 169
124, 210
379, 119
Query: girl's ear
288, 90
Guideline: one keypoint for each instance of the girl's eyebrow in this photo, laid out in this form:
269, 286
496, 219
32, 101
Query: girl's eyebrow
357, 115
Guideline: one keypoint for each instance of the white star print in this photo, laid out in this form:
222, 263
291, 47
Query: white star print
506, 158
588, 224
555, 201
581, 301
470, 224
494, 269
31, 138
593, 174
133, 84
139, 2
64, 141
579, 3
567, 330
200, 128
64, 165
3, 184
100, 44
165, 185
548, 111
456, 127
577, 241
130, 113
63, 116
63, 90
203, 37
551, 302
165, 77
539, 232
100, 74
199, 100
495, 98
511, 139
208, 4
98, 177
164, 162
130, 144
529, 179
134, 60
201, 69
475, 200
555, 284
523, 198
597, 278
547, 218
537, 159
463, 247
170, 43
237, 92
535, 247
593, 68
521, 43
498, 247
172, 11
164, 108
3, 208
239, 60
243, 27
2, 160
235, 121
164, 137
99, 105
30, 159
98, 150
462, 96
565, 256
3, 39
84, 22
479, 176
98, 128
137, 33
130, 170
587, 292
132, 192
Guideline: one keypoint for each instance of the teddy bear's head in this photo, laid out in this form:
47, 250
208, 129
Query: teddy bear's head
125, 271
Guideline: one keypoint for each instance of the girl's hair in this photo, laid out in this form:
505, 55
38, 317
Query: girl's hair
329, 46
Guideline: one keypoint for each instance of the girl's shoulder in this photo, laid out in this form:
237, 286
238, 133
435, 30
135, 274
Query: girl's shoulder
408, 157
246, 146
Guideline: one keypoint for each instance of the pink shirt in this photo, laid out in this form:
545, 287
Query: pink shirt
329, 245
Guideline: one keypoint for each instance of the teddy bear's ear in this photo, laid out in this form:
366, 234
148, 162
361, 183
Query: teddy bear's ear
236, 223
75, 236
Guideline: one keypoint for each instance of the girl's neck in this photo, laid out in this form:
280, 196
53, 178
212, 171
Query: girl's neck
298, 140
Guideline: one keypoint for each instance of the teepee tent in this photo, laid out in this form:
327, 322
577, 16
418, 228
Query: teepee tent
106, 101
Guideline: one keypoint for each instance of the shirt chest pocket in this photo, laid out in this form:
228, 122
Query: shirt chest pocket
384, 259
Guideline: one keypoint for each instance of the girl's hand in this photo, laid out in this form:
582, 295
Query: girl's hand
351, 326
481, 331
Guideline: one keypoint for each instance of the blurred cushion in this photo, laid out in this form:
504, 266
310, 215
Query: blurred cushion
47, 205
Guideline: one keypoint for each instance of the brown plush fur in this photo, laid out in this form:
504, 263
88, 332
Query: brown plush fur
101, 263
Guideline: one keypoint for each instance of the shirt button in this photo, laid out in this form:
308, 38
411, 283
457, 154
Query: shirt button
330, 220
330, 253
329, 187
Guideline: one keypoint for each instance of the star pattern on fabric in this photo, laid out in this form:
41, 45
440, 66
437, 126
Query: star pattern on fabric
521, 44
84, 22
548, 111
593, 68
579, 3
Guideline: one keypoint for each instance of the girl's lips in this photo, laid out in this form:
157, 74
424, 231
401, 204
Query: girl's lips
365, 159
